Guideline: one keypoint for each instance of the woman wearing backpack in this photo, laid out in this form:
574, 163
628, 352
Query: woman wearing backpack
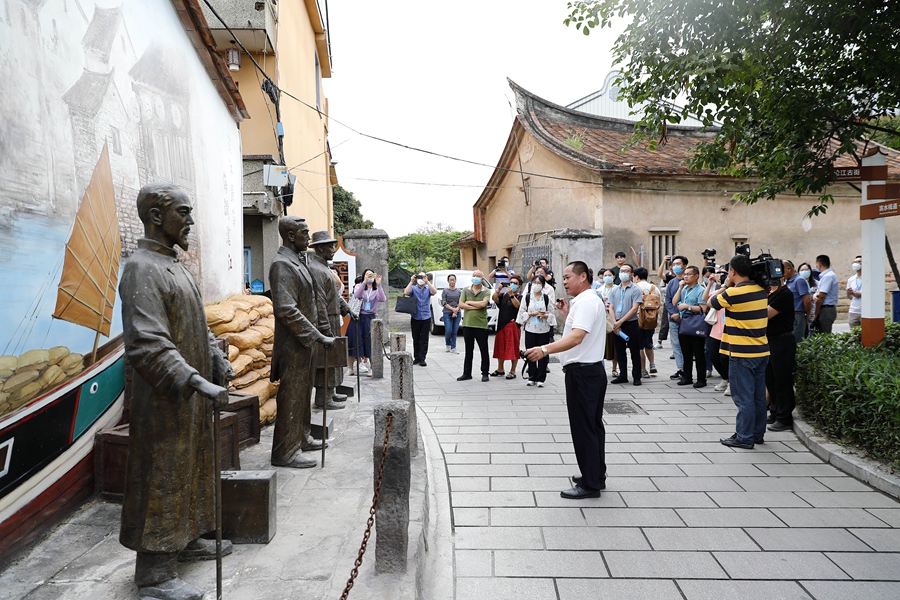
537, 318
648, 319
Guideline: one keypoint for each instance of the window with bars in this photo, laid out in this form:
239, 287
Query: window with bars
662, 244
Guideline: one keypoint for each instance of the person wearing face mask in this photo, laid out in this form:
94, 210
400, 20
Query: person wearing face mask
854, 292
624, 303
369, 292
825, 310
506, 342
450, 302
802, 299
422, 290
678, 265
688, 299
548, 284
538, 320
474, 301
603, 289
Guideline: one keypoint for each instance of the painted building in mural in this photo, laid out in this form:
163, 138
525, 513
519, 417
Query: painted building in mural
98, 98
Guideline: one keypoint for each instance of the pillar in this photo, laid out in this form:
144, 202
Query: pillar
392, 511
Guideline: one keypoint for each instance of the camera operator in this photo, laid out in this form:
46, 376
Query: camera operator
502, 273
541, 263
714, 281
783, 355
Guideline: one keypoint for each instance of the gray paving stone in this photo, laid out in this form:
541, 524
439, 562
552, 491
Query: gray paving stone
852, 590
475, 517
876, 567
757, 499
553, 448
681, 538
487, 430
880, 540
524, 437
849, 499
781, 484
827, 517
526, 459
632, 517
729, 517
470, 484
891, 516
671, 428
821, 470
618, 589
467, 459
473, 563
649, 437
544, 484
487, 470
843, 484
696, 484
739, 470
667, 499
644, 471
487, 447
696, 447
521, 517
800, 457
498, 538
548, 563
663, 565
779, 565
595, 538
492, 499
769, 590
497, 588
632, 448
805, 539
608, 499
748, 458
671, 458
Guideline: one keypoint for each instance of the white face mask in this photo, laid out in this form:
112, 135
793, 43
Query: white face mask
537, 287
856, 266
804, 274
623, 277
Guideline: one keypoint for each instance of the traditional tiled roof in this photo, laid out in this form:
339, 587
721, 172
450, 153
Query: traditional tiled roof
466, 240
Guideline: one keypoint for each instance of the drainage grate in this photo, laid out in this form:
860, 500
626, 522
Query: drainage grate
622, 407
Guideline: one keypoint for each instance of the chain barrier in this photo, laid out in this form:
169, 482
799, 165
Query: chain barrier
389, 420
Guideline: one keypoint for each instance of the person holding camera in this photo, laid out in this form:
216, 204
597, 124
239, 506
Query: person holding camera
502, 273
714, 339
537, 319
547, 290
665, 275
688, 299
450, 302
745, 344
506, 342
422, 290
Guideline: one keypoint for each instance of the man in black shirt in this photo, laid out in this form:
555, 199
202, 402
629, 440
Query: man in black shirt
783, 354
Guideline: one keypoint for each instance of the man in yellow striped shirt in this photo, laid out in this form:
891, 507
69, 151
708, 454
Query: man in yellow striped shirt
745, 344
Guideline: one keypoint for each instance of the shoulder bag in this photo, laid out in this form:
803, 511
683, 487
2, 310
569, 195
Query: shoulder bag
694, 325
406, 304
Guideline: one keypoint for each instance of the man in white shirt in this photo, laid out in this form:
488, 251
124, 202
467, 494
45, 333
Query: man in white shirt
854, 292
581, 353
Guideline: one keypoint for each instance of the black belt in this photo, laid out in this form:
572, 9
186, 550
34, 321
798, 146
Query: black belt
828, 306
800, 312
577, 365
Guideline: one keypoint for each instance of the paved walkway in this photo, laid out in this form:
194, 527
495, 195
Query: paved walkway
683, 517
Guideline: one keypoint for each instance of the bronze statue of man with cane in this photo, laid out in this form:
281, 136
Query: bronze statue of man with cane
179, 378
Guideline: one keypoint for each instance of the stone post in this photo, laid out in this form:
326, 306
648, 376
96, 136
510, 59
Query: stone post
398, 342
377, 348
371, 249
392, 512
402, 389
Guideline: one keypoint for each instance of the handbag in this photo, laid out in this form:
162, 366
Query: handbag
406, 304
694, 325
712, 315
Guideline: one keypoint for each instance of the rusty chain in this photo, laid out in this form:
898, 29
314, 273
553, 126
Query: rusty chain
389, 420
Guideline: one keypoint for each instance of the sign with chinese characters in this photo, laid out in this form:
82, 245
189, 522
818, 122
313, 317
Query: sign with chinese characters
879, 210
867, 173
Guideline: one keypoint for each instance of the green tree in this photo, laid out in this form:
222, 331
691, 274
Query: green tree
347, 213
429, 249
790, 86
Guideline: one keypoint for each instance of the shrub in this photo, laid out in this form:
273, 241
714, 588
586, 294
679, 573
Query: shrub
852, 393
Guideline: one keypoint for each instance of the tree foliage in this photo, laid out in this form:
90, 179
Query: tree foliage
429, 249
791, 86
347, 212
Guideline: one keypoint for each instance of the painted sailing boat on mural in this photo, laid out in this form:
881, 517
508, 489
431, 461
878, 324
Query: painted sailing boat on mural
53, 401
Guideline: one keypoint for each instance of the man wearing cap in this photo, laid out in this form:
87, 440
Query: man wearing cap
295, 346
331, 307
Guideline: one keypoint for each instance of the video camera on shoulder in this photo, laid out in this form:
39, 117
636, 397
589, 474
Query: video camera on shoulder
709, 255
765, 269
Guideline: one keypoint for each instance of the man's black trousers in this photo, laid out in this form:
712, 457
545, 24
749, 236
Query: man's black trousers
420, 332
780, 376
631, 329
471, 335
585, 392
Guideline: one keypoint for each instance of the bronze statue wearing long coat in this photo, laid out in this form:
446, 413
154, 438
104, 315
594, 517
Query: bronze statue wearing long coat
169, 493
334, 306
294, 350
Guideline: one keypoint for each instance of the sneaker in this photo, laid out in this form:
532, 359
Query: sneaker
770, 418
447, 349
657, 346
708, 374
722, 386
540, 384
530, 383
677, 375
615, 373
363, 369
653, 370
732, 442
645, 373
454, 351
780, 426
423, 364
672, 357
728, 389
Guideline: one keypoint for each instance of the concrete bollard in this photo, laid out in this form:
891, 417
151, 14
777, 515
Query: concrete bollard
377, 359
398, 342
402, 389
392, 513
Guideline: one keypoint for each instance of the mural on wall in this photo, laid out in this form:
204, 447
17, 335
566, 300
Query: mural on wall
99, 98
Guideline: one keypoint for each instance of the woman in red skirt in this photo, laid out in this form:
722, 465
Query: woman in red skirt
506, 342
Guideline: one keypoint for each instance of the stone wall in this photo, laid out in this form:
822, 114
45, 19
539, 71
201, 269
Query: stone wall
371, 249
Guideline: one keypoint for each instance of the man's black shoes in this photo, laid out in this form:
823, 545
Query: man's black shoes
464, 378
780, 426
620, 379
577, 479
579, 493
685, 381
485, 378
733, 442
677, 375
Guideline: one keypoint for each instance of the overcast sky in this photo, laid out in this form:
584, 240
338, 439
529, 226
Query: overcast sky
433, 75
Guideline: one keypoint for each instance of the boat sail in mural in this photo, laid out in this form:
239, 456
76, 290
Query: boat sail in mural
53, 401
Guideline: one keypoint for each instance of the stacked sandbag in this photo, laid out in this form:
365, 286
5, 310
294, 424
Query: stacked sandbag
247, 323
34, 373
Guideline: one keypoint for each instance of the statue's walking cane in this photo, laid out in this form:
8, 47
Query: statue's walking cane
217, 451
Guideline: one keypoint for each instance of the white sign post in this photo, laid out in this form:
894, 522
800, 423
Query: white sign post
873, 259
